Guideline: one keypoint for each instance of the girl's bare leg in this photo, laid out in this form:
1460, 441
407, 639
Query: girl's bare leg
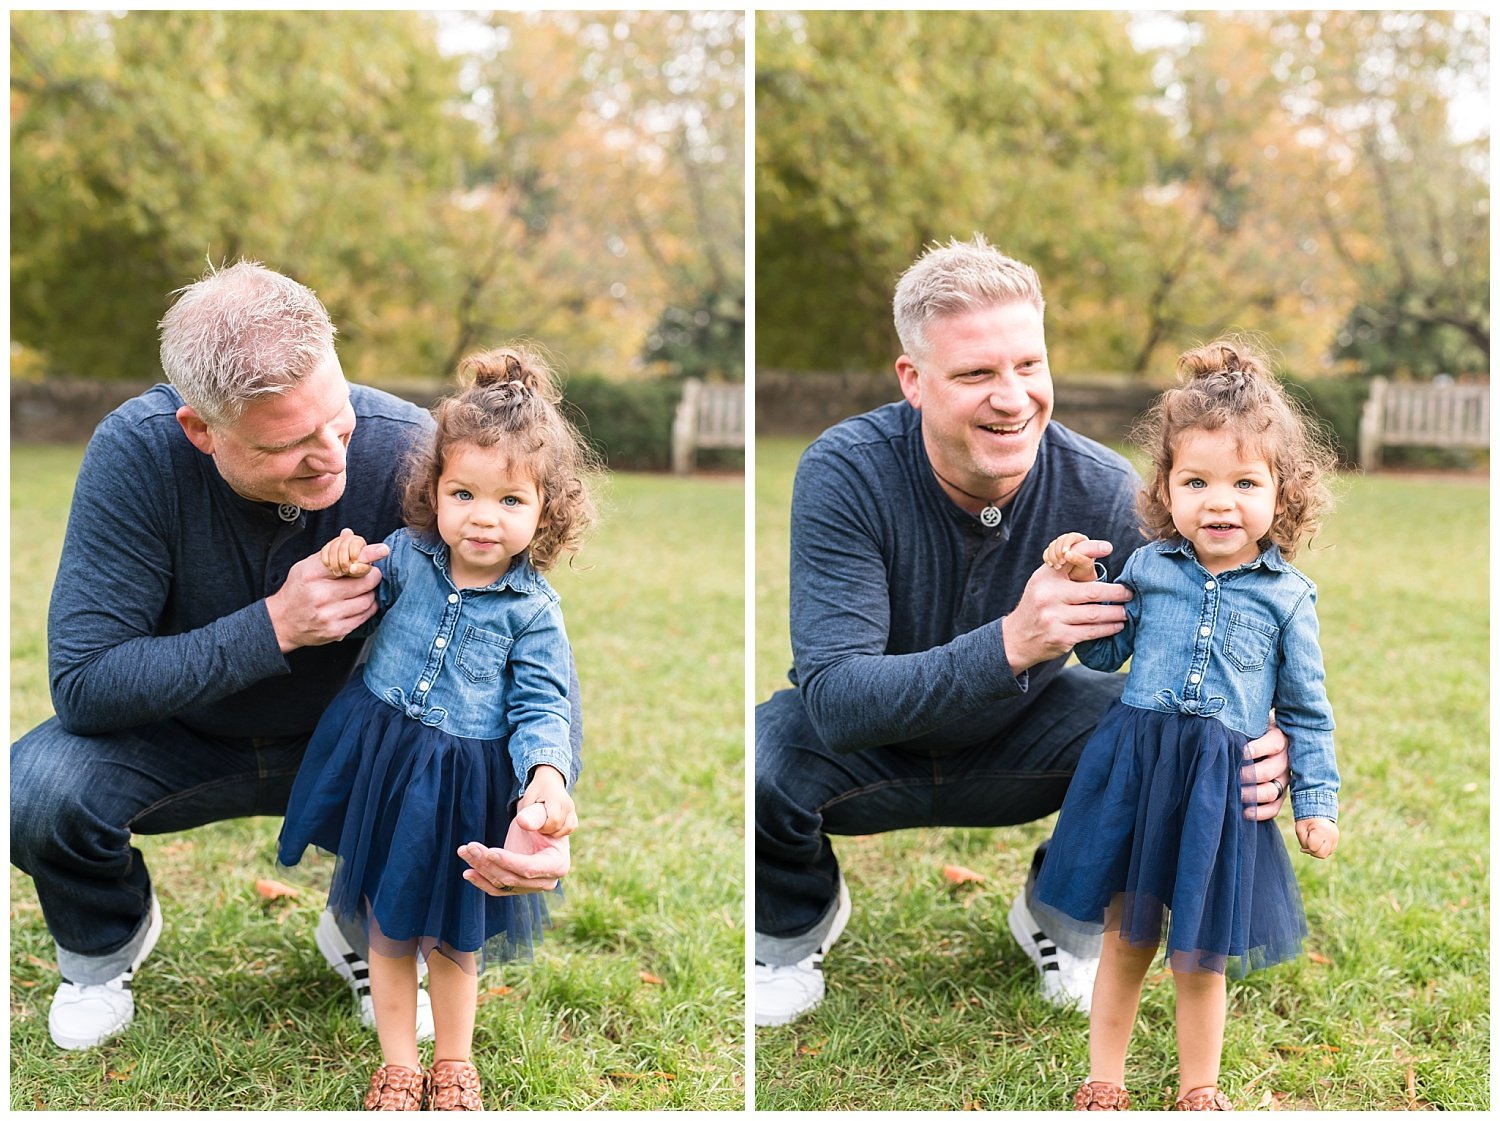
1117, 995
393, 991
1200, 1028
455, 993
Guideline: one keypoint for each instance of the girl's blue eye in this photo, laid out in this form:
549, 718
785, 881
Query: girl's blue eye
1194, 484
462, 495
511, 500
1245, 484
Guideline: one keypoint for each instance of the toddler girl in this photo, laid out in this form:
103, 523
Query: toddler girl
462, 706
1221, 630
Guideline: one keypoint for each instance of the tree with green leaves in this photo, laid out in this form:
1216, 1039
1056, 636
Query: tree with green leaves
878, 133
145, 145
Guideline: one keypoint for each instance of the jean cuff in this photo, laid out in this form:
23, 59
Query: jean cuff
82, 969
772, 949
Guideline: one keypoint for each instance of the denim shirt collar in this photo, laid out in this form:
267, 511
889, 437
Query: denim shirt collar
520, 576
1270, 556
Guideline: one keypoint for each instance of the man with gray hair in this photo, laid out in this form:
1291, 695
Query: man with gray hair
929, 641
193, 633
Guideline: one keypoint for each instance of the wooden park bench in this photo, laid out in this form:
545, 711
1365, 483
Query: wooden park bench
710, 415
1422, 414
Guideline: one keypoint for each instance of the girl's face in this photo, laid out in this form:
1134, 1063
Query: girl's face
486, 513
1221, 501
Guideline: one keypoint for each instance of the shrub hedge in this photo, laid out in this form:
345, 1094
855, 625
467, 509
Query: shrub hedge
629, 424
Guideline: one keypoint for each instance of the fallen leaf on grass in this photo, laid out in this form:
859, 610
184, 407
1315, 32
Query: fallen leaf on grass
1411, 1087
650, 978
119, 1075
498, 990
1297, 1049
275, 889
636, 1076
972, 1105
1318, 958
811, 1048
958, 874
32, 959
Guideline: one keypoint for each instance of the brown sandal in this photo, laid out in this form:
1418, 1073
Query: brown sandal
1101, 1097
1203, 1098
395, 1088
453, 1084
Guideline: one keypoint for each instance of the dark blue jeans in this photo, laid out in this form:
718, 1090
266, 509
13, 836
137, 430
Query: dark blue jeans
804, 792
76, 800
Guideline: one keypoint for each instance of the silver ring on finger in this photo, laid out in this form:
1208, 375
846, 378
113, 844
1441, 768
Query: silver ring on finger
1280, 787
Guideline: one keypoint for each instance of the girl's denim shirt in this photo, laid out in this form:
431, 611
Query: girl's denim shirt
1232, 647
480, 663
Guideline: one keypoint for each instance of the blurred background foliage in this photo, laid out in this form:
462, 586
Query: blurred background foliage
1318, 177
443, 181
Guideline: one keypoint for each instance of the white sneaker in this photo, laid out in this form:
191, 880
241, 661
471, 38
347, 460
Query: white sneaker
1067, 981
355, 970
784, 992
86, 1015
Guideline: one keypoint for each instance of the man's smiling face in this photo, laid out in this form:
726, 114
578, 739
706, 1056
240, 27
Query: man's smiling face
985, 393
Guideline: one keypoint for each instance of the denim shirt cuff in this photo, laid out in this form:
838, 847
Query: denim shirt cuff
1315, 803
560, 757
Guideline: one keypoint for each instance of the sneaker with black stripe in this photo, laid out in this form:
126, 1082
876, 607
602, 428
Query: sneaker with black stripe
85, 1016
1067, 981
355, 971
785, 992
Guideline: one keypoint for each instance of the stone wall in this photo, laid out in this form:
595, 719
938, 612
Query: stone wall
804, 404
786, 404
63, 411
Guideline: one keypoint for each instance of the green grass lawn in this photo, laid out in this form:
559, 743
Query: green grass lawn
931, 1005
636, 999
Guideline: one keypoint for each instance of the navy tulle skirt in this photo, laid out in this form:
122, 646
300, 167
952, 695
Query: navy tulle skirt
394, 799
1154, 815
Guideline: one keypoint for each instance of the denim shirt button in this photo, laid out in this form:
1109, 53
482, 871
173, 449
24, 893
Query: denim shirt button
1195, 677
1205, 631
423, 686
452, 597
1209, 584
440, 643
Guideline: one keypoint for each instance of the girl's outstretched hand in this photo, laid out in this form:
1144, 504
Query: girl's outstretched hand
341, 555
1318, 836
547, 788
1062, 556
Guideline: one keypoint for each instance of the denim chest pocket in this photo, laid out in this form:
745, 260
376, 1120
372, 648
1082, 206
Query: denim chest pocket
482, 654
1248, 642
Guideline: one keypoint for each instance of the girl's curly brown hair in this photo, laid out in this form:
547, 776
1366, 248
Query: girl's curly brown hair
1228, 384
511, 403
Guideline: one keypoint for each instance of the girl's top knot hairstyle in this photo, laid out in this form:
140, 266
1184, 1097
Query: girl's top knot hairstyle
1229, 384
511, 403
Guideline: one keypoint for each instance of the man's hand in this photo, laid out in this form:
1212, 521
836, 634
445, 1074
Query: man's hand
1264, 782
548, 789
1056, 614
1318, 836
530, 862
1071, 562
313, 607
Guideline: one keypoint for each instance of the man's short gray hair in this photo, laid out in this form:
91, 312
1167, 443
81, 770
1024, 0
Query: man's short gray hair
240, 333
955, 278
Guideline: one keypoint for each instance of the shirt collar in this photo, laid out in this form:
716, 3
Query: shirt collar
1270, 556
520, 576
